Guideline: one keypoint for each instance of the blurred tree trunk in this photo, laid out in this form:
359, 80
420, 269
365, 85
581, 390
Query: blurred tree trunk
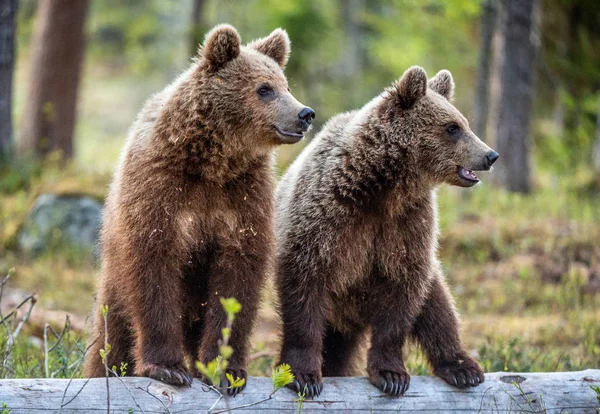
198, 25
57, 51
8, 13
353, 57
596, 153
488, 25
494, 86
520, 24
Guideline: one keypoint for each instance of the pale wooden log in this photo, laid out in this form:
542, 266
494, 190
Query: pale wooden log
539, 392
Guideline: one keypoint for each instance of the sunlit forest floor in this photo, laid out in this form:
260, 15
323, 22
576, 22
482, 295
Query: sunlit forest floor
525, 270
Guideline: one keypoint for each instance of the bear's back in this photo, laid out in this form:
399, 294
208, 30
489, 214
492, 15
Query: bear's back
306, 184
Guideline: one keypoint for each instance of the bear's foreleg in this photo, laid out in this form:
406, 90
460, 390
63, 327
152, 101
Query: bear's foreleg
437, 331
239, 272
153, 296
303, 307
396, 303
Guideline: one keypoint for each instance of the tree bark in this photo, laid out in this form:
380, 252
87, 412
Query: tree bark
57, 44
8, 12
552, 392
488, 25
517, 74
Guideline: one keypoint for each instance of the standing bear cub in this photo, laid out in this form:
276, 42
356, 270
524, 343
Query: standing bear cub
189, 218
357, 238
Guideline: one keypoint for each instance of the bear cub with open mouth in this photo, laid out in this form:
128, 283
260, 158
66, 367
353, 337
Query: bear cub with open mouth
357, 236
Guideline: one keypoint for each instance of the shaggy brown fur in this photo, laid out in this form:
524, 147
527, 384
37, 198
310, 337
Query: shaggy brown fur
357, 238
189, 216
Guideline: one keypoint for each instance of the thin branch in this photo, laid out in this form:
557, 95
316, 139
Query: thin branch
32, 303
84, 352
106, 351
128, 389
59, 337
76, 394
14, 311
46, 350
210, 387
261, 354
155, 397
247, 405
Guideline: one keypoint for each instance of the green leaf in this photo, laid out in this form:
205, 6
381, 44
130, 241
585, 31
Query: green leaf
226, 351
282, 375
231, 306
235, 383
226, 332
212, 371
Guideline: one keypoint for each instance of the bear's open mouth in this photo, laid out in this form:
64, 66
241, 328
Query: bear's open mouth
467, 174
289, 136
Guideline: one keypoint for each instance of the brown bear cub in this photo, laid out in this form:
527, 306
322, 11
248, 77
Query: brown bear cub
189, 218
357, 238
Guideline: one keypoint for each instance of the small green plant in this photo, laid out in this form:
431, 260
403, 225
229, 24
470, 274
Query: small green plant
300, 401
107, 347
5, 409
214, 371
122, 369
596, 389
282, 375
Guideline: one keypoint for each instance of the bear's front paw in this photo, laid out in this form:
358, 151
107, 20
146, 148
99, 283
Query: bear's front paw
308, 383
174, 375
461, 373
236, 374
394, 383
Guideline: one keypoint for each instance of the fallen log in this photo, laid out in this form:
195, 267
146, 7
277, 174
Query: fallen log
557, 392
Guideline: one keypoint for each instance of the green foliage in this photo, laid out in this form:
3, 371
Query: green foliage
596, 389
282, 375
122, 369
5, 409
231, 307
235, 382
214, 371
300, 401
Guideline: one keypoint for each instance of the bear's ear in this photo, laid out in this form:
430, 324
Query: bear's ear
221, 45
443, 84
411, 87
276, 46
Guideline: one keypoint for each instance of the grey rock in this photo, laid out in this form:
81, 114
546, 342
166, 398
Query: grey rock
62, 219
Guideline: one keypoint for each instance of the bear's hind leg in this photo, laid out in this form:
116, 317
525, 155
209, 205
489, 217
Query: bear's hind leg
437, 331
340, 352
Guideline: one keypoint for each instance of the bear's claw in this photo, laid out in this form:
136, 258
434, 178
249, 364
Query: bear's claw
236, 373
461, 374
309, 384
392, 382
177, 375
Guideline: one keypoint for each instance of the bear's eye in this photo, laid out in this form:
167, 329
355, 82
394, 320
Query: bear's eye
264, 90
453, 129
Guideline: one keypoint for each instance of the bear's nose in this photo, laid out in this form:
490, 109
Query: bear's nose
307, 115
491, 156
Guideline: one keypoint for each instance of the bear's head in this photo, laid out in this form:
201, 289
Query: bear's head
445, 148
247, 91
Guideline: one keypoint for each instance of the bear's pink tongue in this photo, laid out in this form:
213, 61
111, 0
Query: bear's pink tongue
467, 174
